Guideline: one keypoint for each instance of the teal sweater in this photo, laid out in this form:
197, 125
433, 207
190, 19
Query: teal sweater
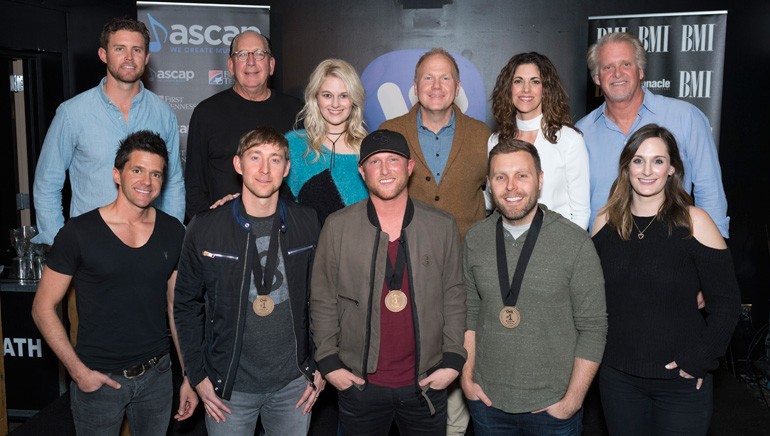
562, 306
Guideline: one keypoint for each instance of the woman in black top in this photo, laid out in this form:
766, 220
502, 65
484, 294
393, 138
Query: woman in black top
657, 252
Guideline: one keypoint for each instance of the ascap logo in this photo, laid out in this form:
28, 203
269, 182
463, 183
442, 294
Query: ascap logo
171, 75
654, 38
698, 37
695, 84
196, 34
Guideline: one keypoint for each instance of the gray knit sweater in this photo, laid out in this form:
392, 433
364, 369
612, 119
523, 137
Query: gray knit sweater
562, 306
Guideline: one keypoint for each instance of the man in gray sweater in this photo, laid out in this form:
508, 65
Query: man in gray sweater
535, 341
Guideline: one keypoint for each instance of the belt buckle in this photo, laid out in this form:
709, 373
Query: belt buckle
128, 373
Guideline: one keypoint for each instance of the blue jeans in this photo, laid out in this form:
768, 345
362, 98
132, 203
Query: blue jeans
642, 406
279, 416
371, 412
145, 399
489, 421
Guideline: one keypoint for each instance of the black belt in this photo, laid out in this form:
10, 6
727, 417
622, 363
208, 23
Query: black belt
140, 369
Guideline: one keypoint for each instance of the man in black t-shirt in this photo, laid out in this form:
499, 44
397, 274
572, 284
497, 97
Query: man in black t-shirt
241, 300
122, 260
218, 122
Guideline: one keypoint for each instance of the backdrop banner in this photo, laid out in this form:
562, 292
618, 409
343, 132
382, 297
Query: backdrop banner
685, 56
189, 47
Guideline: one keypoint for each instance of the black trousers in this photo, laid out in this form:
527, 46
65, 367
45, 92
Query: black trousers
643, 406
370, 412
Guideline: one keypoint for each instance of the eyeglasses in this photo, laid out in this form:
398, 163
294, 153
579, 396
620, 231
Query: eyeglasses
243, 55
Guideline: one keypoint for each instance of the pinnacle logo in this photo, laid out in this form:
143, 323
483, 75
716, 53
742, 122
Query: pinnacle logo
389, 84
213, 36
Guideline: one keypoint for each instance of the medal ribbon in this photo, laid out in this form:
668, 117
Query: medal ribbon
264, 279
511, 294
394, 274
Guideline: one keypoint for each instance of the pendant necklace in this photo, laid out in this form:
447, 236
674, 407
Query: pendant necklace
334, 143
640, 235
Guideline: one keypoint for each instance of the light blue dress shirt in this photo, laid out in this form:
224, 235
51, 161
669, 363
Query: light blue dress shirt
691, 129
436, 146
83, 139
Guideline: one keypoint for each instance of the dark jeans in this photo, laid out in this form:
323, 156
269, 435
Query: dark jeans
371, 412
489, 421
146, 400
642, 406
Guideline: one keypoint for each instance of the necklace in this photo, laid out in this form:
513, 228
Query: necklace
640, 235
334, 144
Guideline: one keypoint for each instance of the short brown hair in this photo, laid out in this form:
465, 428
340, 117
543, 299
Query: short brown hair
263, 135
508, 145
124, 23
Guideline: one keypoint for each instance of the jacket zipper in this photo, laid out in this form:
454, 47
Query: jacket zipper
240, 305
218, 255
294, 251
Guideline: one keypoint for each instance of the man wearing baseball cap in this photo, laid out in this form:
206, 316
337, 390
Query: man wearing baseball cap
387, 303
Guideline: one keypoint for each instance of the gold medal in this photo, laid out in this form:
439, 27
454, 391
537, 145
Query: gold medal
510, 317
395, 301
263, 305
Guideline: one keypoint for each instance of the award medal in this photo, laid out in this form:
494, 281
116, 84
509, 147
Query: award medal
395, 301
263, 305
510, 317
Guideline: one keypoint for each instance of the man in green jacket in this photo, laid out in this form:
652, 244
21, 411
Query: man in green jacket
387, 304
537, 320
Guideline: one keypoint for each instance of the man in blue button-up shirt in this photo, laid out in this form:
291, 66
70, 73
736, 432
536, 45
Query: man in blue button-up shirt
617, 64
87, 129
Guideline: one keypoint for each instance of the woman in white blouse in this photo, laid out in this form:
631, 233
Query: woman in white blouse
529, 103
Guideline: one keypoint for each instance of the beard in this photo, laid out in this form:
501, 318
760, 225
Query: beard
516, 214
126, 76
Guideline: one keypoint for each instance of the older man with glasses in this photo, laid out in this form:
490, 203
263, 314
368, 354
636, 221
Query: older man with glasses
218, 122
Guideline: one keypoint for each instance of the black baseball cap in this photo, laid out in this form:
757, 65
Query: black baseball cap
383, 140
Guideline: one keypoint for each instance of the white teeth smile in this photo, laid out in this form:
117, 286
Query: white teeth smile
387, 180
513, 198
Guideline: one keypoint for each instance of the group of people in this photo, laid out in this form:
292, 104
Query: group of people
431, 272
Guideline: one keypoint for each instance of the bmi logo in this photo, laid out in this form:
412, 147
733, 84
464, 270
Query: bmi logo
654, 38
698, 37
695, 84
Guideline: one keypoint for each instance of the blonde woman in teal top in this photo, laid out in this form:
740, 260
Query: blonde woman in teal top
324, 155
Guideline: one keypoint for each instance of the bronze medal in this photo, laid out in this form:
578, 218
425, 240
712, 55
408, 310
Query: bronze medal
395, 301
263, 305
510, 317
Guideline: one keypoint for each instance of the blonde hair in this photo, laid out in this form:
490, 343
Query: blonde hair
315, 126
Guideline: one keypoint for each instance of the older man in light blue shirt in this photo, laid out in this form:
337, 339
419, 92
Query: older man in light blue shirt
85, 134
617, 64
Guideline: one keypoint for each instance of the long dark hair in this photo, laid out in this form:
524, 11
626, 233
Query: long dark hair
555, 103
673, 211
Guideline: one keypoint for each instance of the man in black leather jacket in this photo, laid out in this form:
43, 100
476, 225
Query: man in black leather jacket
241, 300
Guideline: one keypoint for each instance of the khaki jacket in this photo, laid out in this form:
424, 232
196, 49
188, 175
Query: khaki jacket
347, 279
